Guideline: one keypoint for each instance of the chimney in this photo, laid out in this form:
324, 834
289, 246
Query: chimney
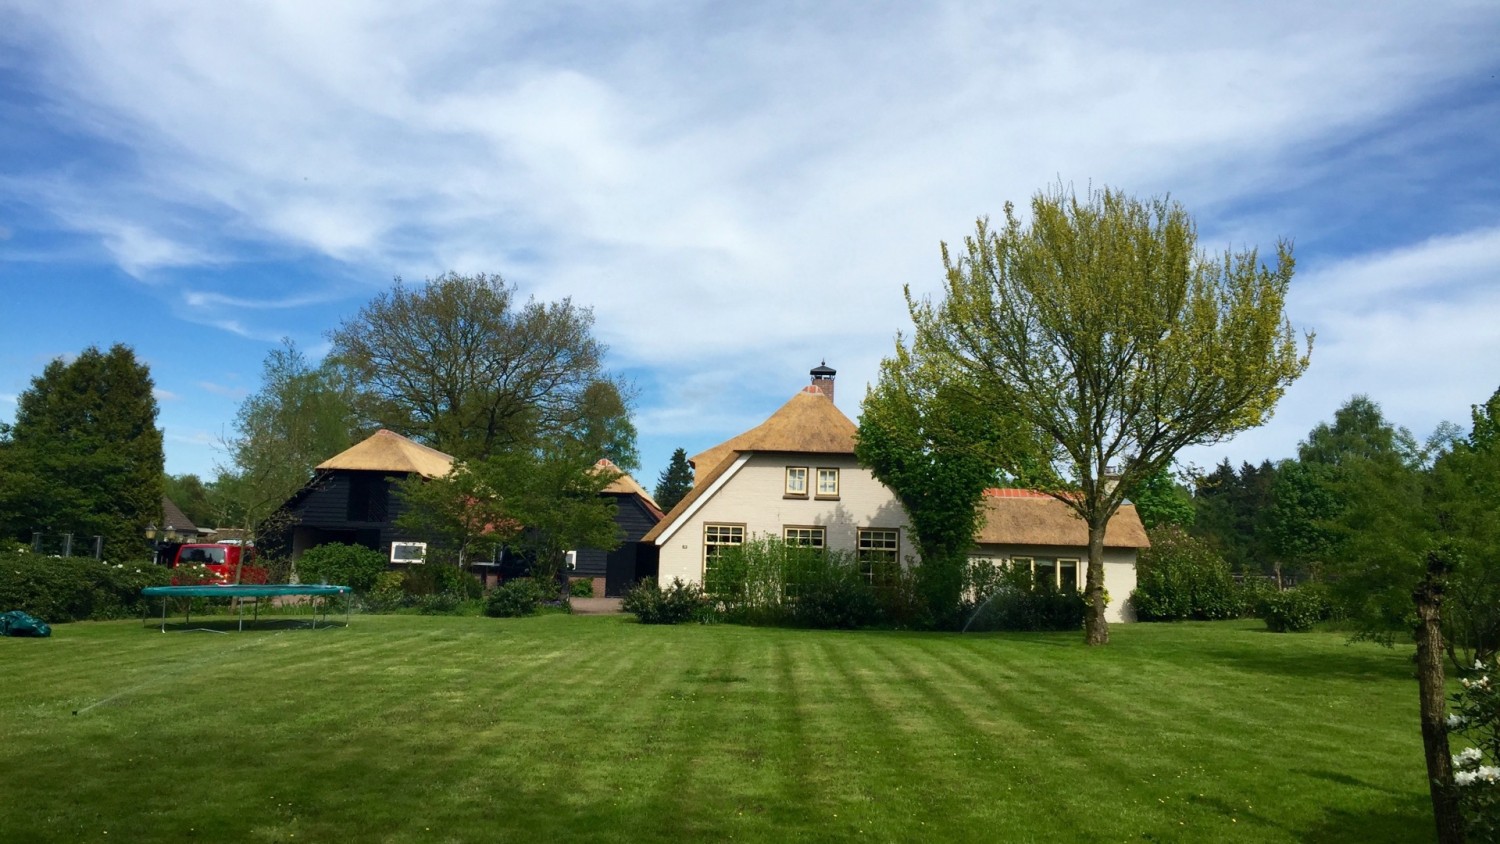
822, 379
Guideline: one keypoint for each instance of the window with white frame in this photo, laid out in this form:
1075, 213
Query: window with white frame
716, 540
807, 537
408, 552
878, 553
796, 481
828, 483
1067, 575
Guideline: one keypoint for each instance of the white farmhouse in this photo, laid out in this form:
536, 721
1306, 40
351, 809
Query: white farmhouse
795, 476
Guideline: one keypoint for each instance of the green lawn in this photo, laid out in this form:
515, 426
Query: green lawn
407, 728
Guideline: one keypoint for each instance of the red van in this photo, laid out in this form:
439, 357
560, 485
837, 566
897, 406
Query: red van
221, 561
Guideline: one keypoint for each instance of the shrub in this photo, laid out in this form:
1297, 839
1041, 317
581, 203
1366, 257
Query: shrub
513, 599
441, 578
354, 566
1475, 714
62, 589
1016, 602
1294, 610
389, 592
767, 581
1253, 592
581, 588
680, 602
840, 599
1181, 577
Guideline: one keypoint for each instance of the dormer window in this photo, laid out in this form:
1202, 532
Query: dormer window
796, 482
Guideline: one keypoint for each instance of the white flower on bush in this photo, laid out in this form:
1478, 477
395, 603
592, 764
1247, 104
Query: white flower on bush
1466, 757
1455, 721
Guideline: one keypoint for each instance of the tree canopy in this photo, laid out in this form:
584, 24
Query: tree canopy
85, 455
1103, 333
300, 416
460, 364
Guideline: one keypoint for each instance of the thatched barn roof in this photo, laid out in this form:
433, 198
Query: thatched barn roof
388, 451
1025, 517
626, 485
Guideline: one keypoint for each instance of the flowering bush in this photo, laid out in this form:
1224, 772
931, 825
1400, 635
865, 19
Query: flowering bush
1475, 715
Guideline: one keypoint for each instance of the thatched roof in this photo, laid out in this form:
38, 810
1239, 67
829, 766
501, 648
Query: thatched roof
810, 423
388, 451
1025, 517
626, 485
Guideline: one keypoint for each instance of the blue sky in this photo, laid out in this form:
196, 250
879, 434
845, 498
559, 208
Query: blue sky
738, 190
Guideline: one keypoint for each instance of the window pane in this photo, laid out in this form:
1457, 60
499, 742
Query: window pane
1067, 573
1046, 572
796, 480
828, 482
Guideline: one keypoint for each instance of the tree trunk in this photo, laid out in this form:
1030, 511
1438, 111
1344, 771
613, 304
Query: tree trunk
1095, 628
1429, 633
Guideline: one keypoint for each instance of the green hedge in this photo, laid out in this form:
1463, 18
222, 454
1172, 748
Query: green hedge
61, 589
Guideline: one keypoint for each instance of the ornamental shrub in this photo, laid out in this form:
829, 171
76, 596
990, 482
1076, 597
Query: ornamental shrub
388, 594
1294, 610
1474, 713
514, 598
678, 603
583, 587
354, 566
62, 589
1181, 577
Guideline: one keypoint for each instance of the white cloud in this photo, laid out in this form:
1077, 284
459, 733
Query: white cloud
164, 395
223, 390
1413, 328
740, 192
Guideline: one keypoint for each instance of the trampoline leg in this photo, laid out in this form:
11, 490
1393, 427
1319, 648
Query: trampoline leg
163, 614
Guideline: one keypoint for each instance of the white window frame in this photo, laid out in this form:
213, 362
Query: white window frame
829, 471
796, 481
817, 537
407, 560
865, 552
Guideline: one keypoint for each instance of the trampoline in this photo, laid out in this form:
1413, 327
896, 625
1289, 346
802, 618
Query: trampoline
246, 590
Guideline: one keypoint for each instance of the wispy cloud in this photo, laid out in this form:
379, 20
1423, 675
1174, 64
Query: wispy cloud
222, 390
164, 395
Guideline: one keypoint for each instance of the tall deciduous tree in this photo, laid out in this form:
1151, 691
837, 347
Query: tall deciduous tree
85, 455
460, 364
1102, 329
300, 416
675, 481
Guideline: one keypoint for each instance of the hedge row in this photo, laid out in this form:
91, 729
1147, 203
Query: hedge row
61, 589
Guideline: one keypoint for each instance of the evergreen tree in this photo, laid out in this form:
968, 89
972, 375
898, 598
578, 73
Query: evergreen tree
85, 455
675, 481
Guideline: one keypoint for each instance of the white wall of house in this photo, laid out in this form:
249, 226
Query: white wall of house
755, 497
1119, 570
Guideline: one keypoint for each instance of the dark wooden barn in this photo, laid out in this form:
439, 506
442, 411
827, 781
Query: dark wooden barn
351, 499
